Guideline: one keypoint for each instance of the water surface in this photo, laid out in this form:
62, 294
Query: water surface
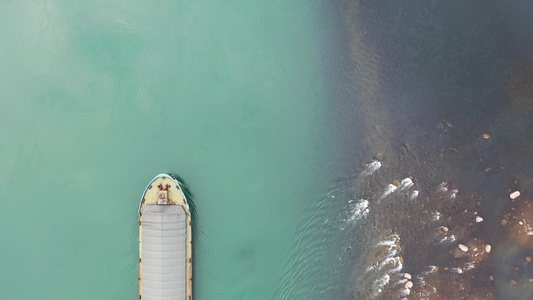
424, 84
99, 98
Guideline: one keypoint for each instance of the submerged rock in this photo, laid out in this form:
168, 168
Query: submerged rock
463, 247
514, 195
409, 284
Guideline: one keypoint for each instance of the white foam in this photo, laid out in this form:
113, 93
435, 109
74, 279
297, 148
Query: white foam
380, 283
405, 292
388, 261
457, 270
446, 239
406, 183
371, 168
469, 265
372, 267
398, 266
453, 194
388, 243
430, 269
442, 187
359, 211
390, 189
392, 258
420, 281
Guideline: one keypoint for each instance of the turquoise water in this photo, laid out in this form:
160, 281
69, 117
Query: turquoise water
99, 98
324, 145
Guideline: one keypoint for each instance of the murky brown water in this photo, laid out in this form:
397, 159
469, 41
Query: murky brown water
426, 83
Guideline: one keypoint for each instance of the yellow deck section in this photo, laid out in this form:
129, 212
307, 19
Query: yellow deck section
176, 197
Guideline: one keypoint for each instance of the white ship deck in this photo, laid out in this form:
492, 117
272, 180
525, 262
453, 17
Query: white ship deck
165, 247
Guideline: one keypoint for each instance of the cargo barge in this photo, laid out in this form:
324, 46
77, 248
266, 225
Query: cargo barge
165, 241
